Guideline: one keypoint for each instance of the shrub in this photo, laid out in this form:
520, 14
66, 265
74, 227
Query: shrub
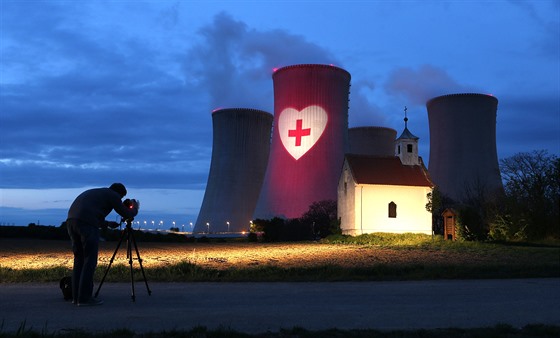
503, 228
470, 225
252, 237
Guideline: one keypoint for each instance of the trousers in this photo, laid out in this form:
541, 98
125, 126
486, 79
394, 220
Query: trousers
85, 245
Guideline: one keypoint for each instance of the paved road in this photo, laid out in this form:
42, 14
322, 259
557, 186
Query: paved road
261, 307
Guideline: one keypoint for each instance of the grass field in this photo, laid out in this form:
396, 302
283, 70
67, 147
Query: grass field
380, 257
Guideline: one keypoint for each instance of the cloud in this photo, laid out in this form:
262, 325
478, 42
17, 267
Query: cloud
514, 132
50, 206
417, 86
79, 107
548, 26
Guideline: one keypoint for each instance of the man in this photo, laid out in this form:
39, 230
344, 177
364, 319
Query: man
86, 215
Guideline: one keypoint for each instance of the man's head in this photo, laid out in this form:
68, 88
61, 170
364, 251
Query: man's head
119, 188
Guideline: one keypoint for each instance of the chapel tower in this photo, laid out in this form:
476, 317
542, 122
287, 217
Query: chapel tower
406, 146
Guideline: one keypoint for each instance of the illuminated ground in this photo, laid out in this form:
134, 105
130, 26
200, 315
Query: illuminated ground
28, 253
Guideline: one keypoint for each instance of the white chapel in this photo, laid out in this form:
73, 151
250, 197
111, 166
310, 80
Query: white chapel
385, 194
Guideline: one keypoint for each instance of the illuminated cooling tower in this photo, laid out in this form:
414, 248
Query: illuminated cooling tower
373, 141
463, 155
241, 144
309, 139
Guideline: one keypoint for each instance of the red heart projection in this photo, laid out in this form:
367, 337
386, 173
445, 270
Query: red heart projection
300, 130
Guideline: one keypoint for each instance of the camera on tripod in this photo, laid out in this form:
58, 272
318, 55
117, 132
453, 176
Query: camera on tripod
130, 203
128, 234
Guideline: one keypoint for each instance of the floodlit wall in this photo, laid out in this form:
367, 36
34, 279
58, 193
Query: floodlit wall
463, 155
374, 141
309, 140
241, 145
346, 203
371, 212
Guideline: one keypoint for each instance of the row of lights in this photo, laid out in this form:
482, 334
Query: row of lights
160, 224
227, 223
228, 228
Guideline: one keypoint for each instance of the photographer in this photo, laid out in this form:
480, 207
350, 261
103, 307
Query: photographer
86, 215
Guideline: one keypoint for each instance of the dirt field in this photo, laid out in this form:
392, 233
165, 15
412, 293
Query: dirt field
28, 253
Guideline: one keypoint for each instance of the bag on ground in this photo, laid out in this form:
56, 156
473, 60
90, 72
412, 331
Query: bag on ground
66, 287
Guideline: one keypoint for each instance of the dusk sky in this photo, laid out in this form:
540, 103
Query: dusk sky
96, 92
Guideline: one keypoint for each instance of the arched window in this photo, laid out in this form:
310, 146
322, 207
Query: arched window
392, 210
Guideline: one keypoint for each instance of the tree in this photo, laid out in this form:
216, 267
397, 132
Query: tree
322, 218
478, 210
435, 206
272, 229
532, 188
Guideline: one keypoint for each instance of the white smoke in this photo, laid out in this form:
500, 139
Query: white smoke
418, 86
363, 111
233, 64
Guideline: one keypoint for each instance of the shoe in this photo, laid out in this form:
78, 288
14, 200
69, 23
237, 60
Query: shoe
91, 302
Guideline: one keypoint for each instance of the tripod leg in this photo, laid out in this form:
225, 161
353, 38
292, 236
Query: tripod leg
140, 262
129, 256
110, 263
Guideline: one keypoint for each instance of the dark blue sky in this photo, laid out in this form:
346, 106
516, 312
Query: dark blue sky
104, 91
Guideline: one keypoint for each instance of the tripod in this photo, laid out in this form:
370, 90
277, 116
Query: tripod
130, 240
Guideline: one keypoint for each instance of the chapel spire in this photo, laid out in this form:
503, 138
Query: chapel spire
406, 146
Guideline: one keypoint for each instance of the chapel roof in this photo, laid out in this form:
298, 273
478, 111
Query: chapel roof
406, 134
387, 171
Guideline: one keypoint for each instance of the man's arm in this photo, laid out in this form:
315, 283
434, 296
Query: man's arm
109, 224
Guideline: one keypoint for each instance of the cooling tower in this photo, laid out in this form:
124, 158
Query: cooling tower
241, 144
309, 139
373, 141
463, 156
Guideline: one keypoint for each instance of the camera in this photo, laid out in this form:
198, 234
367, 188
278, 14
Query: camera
131, 203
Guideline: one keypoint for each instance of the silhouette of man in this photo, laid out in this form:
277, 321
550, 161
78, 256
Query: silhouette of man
85, 216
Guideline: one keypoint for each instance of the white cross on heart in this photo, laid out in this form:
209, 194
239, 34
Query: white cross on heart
300, 130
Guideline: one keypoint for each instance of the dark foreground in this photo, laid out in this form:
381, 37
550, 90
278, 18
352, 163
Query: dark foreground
269, 307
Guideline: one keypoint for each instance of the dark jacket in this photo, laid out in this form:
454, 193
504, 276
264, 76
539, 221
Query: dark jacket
92, 206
